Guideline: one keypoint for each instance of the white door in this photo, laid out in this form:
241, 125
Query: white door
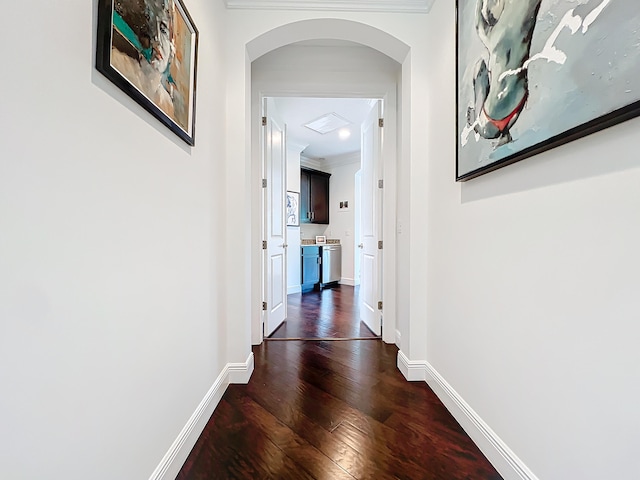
275, 226
370, 222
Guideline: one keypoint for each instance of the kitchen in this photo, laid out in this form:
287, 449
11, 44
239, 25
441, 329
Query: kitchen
323, 188
330, 162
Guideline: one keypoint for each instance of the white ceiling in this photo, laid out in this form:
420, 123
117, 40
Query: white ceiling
296, 111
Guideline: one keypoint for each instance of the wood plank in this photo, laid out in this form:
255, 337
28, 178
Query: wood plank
333, 410
331, 313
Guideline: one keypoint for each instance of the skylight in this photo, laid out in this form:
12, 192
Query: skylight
327, 123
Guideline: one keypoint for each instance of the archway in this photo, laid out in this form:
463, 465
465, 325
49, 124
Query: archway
365, 35
332, 29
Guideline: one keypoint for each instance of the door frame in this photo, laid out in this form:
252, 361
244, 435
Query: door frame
387, 92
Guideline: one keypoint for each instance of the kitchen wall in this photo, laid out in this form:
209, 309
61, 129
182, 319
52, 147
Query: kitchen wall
342, 226
112, 300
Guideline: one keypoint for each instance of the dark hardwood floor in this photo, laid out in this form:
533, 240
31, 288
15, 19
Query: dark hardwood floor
332, 410
330, 313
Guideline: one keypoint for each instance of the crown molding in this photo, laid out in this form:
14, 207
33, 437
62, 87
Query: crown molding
326, 164
387, 6
341, 160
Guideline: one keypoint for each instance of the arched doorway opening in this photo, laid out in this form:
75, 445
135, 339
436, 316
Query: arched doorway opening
359, 80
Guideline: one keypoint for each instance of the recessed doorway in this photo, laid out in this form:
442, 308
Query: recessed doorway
328, 144
383, 84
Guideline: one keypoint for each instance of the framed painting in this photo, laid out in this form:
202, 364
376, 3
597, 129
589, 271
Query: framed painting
533, 75
293, 209
149, 49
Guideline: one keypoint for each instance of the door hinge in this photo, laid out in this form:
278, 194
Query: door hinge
264, 244
380, 183
264, 305
379, 244
379, 305
264, 121
381, 122
264, 183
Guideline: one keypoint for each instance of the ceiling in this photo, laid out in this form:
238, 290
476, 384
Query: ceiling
298, 111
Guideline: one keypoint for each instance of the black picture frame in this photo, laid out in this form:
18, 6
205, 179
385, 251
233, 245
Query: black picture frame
604, 96
149, 49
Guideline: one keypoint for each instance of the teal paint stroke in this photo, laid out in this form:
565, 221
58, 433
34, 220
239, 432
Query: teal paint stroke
126, 31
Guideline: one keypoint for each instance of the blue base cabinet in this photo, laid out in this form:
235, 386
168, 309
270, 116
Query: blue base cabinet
310, 267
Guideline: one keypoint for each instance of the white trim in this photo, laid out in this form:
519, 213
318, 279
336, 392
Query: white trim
390, 6
172, 462
412, 371
241, 372
490, 444
398, 339
294, 289
311, 163
347, 281
341, 160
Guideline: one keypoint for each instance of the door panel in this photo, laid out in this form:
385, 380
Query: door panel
276, 230
371, 219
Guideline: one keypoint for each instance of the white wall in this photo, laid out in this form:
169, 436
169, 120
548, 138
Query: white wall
533, 281
342, 222
111, 294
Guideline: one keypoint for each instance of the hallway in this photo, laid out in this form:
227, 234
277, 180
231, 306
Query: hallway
332, 410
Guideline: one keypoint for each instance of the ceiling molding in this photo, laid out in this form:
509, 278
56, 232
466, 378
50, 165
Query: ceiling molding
341, 160
388, 6
312, 163
326, 164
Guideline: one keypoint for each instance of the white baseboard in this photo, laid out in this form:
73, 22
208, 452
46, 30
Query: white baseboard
505, 461
348, 281
294, 289
412, 371
241, 372
173, 460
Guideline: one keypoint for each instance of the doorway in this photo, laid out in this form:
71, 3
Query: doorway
336, 140
380, 79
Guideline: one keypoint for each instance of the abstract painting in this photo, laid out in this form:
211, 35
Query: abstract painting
148, 48
532, 75
293, 209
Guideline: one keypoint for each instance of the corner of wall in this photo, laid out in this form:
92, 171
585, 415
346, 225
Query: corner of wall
241, 372
172, 462
412, 370
490, 444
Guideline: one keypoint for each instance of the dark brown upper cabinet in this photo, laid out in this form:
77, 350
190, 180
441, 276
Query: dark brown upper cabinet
314, 196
